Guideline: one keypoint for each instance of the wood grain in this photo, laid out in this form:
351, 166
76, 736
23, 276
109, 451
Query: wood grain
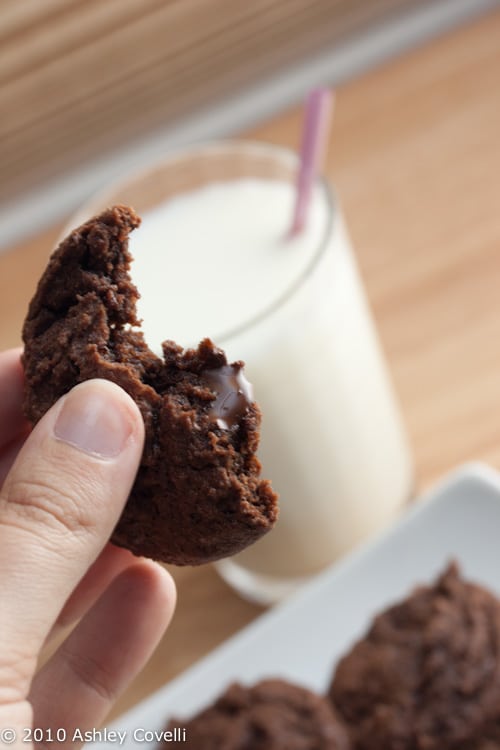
79, 77
415, 157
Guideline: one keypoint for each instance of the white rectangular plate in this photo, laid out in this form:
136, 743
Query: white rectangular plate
302, 639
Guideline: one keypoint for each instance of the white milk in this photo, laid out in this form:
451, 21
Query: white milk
209, 261
215, 262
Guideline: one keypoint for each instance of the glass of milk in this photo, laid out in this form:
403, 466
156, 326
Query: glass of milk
213, 258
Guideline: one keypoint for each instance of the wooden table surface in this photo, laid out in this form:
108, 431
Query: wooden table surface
415, 156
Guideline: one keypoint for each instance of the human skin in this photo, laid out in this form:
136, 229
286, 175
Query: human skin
62, 488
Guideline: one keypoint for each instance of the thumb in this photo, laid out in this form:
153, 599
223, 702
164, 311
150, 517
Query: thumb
58, 506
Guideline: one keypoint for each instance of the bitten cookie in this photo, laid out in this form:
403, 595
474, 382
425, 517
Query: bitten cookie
197, 496
272, 715
427, 674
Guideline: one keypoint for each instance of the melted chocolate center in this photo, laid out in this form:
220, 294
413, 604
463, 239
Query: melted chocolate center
234, 394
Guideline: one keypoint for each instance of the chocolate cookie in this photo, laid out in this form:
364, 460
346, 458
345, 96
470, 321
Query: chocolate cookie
197, 496
272, 715
427, 674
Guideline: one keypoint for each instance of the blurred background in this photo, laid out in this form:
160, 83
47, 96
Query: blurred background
91, 88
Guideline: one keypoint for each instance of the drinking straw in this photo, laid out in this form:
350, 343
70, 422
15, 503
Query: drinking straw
318, 110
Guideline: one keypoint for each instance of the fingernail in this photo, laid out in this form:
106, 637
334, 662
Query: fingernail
93, 422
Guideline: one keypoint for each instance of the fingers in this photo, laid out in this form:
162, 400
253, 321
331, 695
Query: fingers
12, 421
111, 562
58, 506
9, 454
78, 686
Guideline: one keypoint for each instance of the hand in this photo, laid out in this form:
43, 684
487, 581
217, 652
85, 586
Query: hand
62, 489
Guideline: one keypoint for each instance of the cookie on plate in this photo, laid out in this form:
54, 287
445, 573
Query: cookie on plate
272, 715
427, 674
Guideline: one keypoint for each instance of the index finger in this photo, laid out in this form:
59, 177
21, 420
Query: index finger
12, 420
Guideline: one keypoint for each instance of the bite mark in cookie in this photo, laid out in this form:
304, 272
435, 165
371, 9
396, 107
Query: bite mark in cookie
198, 495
